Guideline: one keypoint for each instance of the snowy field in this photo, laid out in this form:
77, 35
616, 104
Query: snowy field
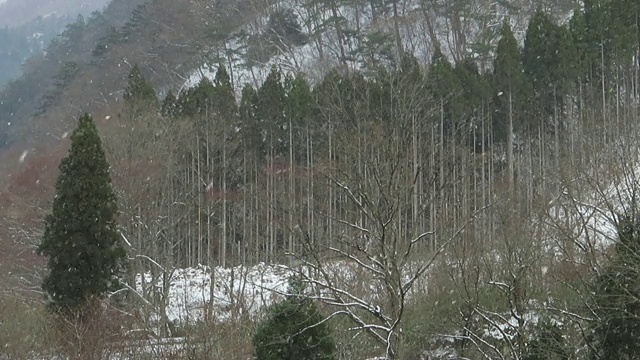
240, 288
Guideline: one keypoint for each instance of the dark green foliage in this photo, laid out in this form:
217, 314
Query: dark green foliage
510, 88
80, 237
580, 43
113, 36
136, 21
411, 71
617, 297
375, 50
271, 105
547, 57
66, 74
444, 86
196, 100
297, 110
612, 34
138, 92
293, 330
224, 100
548, 343
250, 132
169, 106
298, 98
328, 93
74, 32
474, 102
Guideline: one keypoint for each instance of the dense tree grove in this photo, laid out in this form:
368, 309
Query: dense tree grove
395, 163
455, 203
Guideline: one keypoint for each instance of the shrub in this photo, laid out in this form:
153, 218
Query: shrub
293, 329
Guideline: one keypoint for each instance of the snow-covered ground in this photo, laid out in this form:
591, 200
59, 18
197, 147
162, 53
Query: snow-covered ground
234, 289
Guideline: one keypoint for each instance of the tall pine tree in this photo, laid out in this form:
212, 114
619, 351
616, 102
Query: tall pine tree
250, 130
298, 106
271, 105
510, 93
546, 62
139, 95
80, 238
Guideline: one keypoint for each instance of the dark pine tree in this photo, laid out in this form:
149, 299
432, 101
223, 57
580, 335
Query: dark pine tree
617, 297
80, 239
139, 95
250, 131
548, 343
169, 106
474, 102
197, 100
297, 110
224, 99
294, 330
271, 104
445, 88
510, 88
580, 44
547, 60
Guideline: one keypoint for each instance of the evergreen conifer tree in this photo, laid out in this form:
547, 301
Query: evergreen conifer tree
548, 343
298, 105
169, 105
293, 330
580, 45
271, 104
250, 130
224, 99
445, 88
546, 62
474, 100
196, 100
80, 239
510, 88
617, 297
139, 94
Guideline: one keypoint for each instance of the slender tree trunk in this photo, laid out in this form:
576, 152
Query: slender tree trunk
510, 161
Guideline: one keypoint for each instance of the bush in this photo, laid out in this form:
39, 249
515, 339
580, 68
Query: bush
293, 330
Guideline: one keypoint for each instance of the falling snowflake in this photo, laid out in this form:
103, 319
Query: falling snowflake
24, 155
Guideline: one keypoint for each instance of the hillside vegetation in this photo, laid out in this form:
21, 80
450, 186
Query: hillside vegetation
449, 180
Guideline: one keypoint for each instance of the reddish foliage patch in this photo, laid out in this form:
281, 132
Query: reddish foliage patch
23, 204
217, 194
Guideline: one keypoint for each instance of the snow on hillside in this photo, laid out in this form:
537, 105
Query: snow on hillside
591, 219
247, 289
414, 32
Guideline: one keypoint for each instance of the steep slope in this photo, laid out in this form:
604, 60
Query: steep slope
86, 69
79, 74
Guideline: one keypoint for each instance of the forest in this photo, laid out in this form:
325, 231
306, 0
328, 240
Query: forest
458, 208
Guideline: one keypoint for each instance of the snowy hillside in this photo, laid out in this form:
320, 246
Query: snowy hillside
421, 29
